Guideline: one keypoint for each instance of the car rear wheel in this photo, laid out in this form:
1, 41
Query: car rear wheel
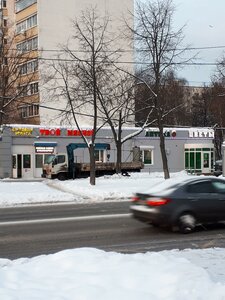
62, 176
186, 223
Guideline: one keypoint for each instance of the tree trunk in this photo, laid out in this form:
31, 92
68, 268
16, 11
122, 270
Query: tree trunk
118, 156
163, 153
119, 145
92, 164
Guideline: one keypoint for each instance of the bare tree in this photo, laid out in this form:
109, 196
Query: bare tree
159, 47
118, 108
84, 75
174, 95
13, 85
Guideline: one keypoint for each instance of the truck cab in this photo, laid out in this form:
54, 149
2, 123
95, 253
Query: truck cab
58, 167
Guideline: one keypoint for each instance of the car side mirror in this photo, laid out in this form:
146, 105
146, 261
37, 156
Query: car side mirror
54, 162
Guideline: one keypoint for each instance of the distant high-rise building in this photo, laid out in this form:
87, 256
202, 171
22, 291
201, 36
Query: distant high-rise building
40, 26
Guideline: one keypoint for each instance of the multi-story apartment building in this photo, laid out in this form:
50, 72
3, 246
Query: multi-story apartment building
40, 26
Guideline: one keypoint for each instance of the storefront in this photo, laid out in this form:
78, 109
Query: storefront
25, 148
199, 158
189, 149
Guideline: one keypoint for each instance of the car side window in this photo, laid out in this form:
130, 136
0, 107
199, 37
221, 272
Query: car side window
61, 159
200, 187
219, 187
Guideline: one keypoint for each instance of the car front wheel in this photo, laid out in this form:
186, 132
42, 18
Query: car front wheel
186, 223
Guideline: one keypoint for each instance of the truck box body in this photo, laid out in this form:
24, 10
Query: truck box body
70, 165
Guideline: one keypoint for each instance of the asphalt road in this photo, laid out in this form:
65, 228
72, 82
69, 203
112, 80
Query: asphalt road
42, 229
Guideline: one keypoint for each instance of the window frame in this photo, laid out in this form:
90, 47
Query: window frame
26, 24
100, 155
149, 149
29, 111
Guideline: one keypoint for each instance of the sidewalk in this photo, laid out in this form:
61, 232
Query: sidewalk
22, 179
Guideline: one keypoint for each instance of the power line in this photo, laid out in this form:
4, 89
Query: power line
28, 59
137, 62
125, 50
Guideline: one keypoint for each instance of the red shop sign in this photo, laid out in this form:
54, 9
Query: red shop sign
53, 132
76, 132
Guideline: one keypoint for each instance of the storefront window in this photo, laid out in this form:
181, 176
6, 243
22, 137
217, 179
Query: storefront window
197, 159
206, 160
38, 160
99, 155
186, 160
192, 160
147, 156
26, 161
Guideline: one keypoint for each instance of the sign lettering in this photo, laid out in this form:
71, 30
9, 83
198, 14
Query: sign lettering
51, 132
156, 133
22, 131
44, 149
76, 132
201, 134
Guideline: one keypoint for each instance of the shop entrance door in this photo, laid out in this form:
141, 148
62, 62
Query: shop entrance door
17, 165
38, 165
206, 162
22, 166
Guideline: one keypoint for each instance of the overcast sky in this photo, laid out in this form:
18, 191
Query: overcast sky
205, 27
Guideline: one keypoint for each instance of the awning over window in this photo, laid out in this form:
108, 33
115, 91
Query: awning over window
45, 144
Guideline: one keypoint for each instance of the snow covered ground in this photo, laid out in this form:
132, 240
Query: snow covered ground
107, 188
90, 274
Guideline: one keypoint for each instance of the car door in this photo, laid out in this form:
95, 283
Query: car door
219, 187
203, 200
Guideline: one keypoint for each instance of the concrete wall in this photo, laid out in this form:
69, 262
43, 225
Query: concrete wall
5, 153
55, 29
174, 146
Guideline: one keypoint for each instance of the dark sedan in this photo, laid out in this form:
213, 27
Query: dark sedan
182, 204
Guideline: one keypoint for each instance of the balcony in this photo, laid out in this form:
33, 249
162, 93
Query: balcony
22, 4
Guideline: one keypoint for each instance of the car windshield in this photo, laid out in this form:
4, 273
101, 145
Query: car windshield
165, 185
49, 159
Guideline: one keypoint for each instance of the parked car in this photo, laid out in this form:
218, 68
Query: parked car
182, 204
218, 168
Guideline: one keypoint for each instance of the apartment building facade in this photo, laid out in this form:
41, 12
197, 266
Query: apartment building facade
40, 27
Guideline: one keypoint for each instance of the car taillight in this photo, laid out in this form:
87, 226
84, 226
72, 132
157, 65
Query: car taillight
157, 201
135, 199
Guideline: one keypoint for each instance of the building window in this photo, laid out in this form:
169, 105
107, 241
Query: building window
4, 3
29, 67
28, 90
23, 91
28, 45
99, 155
22, 4
147, 156
5, 23
34, 88
31, 110
26, 24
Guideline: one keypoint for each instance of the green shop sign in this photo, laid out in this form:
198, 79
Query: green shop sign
156, 133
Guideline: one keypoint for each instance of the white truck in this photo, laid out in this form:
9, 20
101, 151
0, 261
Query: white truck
63, 166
